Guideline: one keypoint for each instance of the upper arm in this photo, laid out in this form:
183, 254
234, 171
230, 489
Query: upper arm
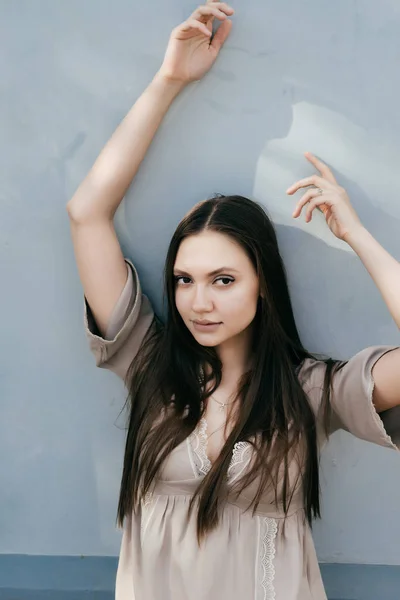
351, 396
386, 375
101, 266
131, 320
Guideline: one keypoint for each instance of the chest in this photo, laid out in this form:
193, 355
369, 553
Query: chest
194, 457
216, 426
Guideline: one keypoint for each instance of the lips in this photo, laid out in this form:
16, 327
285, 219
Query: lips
205, 326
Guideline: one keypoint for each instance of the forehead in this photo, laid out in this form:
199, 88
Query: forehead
209, 250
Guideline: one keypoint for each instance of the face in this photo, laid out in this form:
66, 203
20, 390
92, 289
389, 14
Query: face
216, 289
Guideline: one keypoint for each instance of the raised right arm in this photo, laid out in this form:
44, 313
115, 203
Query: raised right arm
101, 265
91, 210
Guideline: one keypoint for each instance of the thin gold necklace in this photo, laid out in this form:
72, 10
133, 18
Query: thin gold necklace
222, 405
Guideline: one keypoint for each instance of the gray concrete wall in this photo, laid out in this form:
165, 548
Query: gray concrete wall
294, 76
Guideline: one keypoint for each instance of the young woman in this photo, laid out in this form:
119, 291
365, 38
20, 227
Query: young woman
228, 411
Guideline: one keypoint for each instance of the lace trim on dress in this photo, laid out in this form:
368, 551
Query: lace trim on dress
238, 454
199, 446
266, 555
201, 464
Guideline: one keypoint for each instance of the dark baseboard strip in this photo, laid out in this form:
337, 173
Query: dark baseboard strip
92, 578
57, 575
361, 582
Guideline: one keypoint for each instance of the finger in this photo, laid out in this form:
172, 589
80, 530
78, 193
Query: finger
205, 13
220, 10
309, 195
217, 9
222, 6
221, 34
322, 167
313, 180
320, 203
192, 24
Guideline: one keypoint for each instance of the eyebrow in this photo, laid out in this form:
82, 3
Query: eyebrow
211, 274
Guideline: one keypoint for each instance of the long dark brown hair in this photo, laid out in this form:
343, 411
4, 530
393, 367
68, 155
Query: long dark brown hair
168, 378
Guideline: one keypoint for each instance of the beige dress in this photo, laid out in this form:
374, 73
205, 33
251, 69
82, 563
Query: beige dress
247, 557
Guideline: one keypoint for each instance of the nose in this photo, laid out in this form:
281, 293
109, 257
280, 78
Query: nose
202, 302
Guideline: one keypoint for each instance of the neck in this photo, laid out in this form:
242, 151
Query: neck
236, 357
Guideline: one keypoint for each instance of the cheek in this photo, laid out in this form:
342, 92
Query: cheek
181, 303
241, 306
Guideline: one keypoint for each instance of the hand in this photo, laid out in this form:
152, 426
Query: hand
331, 199
191, 52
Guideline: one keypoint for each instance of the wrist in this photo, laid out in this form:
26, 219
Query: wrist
167, 85
358, 235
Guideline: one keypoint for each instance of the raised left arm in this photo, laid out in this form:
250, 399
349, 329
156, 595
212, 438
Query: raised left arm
332, 200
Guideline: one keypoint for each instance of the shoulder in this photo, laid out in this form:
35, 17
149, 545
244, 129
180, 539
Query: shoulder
311, 373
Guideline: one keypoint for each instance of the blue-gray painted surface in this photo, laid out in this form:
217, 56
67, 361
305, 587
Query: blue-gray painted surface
60, 574
92, 578
294, 76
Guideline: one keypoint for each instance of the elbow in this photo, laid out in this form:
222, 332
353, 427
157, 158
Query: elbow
83, 213
72, 210
76, 209
77, 215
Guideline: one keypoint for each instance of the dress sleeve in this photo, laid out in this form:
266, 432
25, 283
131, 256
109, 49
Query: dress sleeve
131, 319
351, 398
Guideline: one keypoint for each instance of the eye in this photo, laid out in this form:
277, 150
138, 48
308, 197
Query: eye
182, 280
225, 281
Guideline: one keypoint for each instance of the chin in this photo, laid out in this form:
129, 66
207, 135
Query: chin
207, 340
207, 343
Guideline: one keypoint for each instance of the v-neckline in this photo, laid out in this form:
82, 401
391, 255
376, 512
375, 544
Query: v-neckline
201, 463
